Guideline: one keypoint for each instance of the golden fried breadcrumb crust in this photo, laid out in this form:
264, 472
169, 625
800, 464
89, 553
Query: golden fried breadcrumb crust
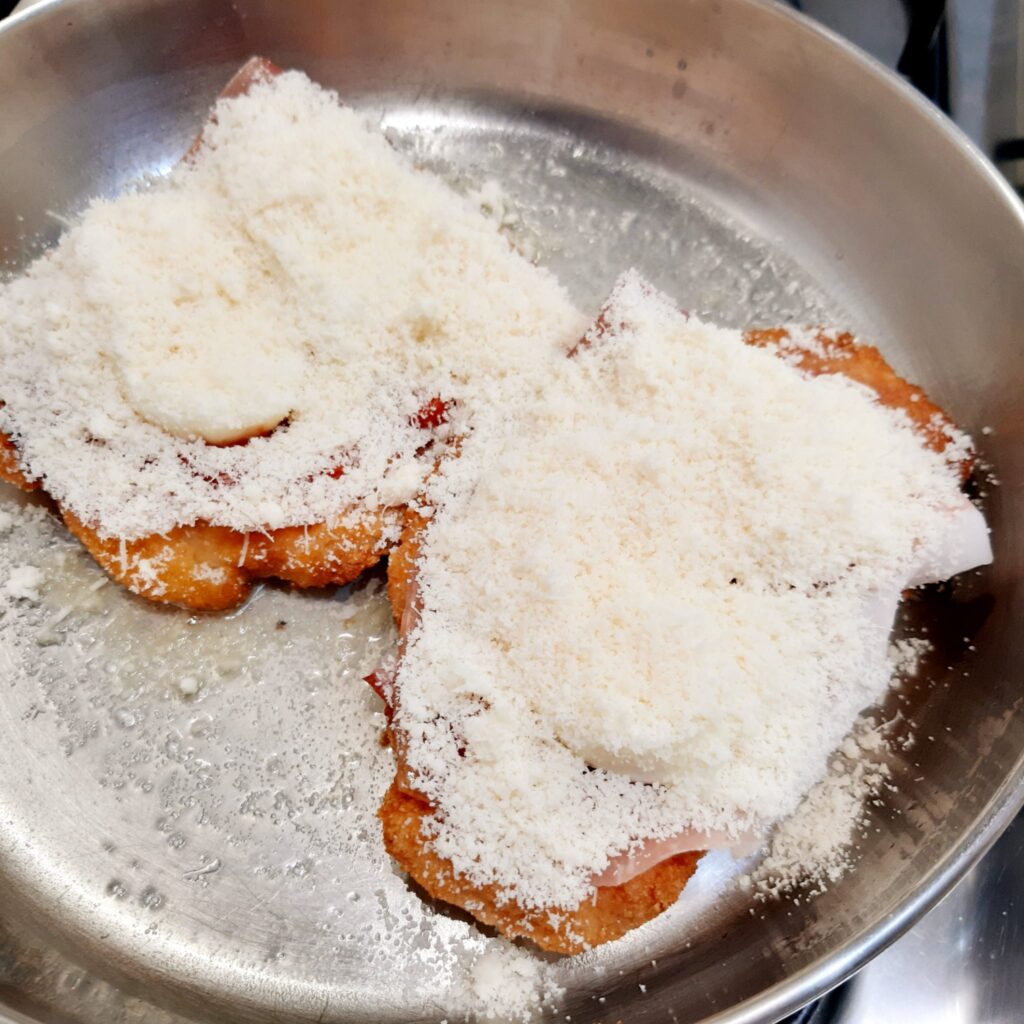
613, 910
211, 568
841, 354
319, 555
402, 563
196, 566
10, 466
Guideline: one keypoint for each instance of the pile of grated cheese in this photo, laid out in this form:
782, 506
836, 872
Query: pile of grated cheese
651, 603
298, 273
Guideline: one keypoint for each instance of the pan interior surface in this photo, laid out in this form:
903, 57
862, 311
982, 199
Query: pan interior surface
188, 802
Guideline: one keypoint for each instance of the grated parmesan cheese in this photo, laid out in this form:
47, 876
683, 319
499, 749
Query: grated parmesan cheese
905, 655
668, 569
297, 273
815, 846
23, 583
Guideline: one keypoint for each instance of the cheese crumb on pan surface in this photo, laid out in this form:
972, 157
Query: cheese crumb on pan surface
658, 599
296, 276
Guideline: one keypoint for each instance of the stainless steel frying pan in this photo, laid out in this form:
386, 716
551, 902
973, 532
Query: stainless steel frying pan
211, 858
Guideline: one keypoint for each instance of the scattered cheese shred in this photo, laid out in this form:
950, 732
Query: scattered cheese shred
23, 584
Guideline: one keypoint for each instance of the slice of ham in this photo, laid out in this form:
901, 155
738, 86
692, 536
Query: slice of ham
635, 862
433, 413
382, 681
964, 545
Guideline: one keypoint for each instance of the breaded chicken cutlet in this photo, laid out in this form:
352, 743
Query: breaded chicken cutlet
208, 567
408, 818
